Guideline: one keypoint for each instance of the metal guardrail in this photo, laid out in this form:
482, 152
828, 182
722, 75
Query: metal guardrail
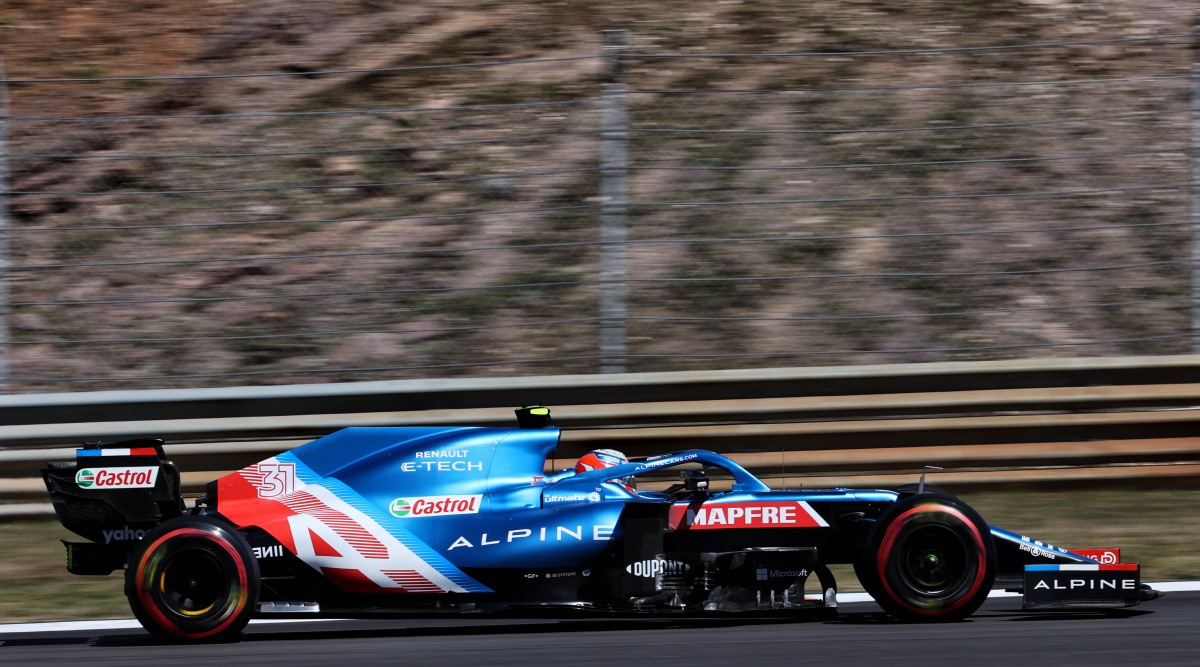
473, 393
1010, 422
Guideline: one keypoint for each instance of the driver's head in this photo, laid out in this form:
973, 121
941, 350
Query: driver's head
598, 459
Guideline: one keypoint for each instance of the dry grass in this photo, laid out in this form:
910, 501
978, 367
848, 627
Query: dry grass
35, 584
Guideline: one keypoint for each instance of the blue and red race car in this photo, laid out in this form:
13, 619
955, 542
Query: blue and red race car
449, 520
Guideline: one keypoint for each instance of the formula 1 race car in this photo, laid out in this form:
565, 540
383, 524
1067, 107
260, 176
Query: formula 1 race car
436, 520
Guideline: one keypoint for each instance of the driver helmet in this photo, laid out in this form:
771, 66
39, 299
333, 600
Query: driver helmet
598, 459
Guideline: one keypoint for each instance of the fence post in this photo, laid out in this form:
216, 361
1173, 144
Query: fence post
614, 118
613, 212
5, 385
1195, 219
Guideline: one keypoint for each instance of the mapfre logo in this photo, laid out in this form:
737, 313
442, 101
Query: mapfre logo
756, 514
117, 478
435, 506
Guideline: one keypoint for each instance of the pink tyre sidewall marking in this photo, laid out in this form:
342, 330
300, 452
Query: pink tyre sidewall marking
148, 603
893, 532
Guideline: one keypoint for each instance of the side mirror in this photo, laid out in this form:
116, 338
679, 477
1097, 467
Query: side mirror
695, 481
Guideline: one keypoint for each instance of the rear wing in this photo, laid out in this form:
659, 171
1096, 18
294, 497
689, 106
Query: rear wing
112, 494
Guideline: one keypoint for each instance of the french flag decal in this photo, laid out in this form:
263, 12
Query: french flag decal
119, 451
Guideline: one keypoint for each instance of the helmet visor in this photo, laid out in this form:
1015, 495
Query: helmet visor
629, 481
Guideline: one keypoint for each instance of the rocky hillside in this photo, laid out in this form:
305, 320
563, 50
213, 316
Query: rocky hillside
184, 233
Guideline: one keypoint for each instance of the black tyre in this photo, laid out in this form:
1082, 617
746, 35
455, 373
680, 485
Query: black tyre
193, 579
906, 490
929, 558
862, 570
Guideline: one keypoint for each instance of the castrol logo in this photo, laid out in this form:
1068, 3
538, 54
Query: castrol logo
117, 478
434, 506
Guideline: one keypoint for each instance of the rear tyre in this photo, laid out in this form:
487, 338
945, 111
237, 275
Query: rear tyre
929, 558
193, 579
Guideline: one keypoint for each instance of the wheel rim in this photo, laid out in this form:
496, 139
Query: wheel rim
192, 583
934, 561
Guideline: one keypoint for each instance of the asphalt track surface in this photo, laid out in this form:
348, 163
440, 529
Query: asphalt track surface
1161, 632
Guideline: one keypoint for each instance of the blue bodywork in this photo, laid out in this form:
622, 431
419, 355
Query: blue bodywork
525, 518
507, 513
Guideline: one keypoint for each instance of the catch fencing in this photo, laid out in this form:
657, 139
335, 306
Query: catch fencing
615, 210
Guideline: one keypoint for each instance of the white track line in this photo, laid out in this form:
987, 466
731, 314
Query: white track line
123, 624
131, 624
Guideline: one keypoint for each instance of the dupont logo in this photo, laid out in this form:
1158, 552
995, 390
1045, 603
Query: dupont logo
653, 568
117, 478
435, 506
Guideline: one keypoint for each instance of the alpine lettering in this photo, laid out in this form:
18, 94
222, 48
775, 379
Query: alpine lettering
1089, 584
435, 506
544, 534
275, 551
117, 478
1107, 585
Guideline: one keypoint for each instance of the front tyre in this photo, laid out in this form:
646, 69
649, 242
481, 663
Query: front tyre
193, 579
929, 558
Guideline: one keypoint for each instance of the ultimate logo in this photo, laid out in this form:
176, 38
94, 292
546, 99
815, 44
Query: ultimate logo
85, 478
